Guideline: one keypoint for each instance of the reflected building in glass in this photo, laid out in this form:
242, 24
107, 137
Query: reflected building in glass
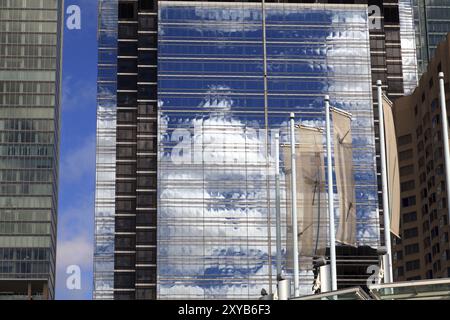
169, 228
30, 62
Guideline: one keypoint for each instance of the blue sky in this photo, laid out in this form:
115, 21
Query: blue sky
77, 162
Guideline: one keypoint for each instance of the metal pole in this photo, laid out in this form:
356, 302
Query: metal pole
283, 289
445, 138
277, 205
266, 123
330, 199
294, 207
325, 278
385, 192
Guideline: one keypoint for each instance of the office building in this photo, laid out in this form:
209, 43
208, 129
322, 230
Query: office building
423, 252
30, 64
130, 221
432, 22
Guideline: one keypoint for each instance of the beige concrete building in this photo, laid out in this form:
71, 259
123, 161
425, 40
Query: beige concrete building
423, 252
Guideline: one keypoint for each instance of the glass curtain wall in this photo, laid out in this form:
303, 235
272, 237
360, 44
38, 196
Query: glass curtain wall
432, 23
30, 53
216, 215
106, 151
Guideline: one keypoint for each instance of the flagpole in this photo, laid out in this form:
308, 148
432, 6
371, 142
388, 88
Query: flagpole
294, 207
445, 137
386, 212
277, 204
330, 199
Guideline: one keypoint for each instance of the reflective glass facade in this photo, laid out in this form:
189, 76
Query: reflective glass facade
106, 151
30, 55
216, 231
432, 23
408, 46
126, 207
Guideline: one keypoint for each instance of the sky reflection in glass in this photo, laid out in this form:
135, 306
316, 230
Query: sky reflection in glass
216, 236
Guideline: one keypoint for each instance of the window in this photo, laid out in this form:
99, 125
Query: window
427, 242
147, 110
405, 155
126, 82
146, 200
126, 99
124, 242
408, 201
391, 15
409, 217
146, 275
127, 31
146, 181
146, 256
127, 11
125, 224
437, 266
405, 170
125, 204
124, 261
411, 248
148, 57
127, 66
400, 272
125, 169
124, 279
434, 232
146, 218
412, 265
126, 116
435, 249
146, 237
145, 293
147, 22
147, 5
407, 186
406, 139
410, 233
148, 163
125, 151
127, 48
120, 295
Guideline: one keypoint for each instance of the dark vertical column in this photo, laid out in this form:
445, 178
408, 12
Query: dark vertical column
146, 150
125, 215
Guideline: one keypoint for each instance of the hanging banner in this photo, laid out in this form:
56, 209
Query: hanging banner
345, 181
393, 176
311, 200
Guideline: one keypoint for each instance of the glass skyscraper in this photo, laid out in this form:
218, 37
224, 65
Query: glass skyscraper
216, 217
432, 23
30, 60
148, 110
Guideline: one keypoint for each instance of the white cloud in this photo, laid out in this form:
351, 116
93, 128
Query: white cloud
80, 162
75, 245
78, 251
77, 94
